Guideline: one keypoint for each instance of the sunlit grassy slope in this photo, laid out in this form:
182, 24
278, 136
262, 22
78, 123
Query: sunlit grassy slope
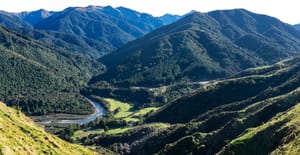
284, 126
20, 135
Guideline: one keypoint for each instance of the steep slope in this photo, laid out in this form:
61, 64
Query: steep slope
201, 47
42, 79
259, 107
278, 136
20, 135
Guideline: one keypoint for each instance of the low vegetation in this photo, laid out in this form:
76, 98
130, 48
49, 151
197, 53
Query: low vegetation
125, 111
20, 135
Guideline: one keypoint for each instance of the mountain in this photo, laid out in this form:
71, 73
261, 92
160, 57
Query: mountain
297, 26
12, 21
201, 47
91, 31
34, 17
42, 79
20, 135
113, 27
255, 112
23, 23
71, 42
169, 18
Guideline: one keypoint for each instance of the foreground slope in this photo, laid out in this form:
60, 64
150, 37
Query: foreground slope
259, 107
42, 79
201, 47
20, 135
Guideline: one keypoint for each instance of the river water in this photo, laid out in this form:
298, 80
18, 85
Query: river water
99, 111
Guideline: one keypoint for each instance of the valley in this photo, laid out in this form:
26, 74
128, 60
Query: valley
112, 80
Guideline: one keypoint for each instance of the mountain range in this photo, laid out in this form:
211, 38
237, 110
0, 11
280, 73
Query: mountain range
201, 46
91, 31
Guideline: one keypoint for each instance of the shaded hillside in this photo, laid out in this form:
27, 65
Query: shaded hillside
261, 82
23, 23
112, 27
76, 44
42, 79
201, 47
91, 31
20, 135
258, 107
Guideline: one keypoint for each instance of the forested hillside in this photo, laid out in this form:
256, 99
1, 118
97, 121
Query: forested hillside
201, 47
42, 79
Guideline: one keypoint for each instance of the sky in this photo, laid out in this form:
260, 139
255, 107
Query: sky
285, 10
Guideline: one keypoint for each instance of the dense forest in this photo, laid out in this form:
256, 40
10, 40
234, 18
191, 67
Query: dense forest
41, 79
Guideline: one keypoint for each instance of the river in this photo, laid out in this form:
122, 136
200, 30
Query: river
99, 111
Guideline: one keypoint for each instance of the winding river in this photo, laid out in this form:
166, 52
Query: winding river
99, 111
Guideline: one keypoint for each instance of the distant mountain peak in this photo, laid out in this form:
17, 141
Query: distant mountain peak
89, 8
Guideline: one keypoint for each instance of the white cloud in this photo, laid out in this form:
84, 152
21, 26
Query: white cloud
285, 10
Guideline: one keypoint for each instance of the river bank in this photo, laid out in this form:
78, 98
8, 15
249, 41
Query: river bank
99, 111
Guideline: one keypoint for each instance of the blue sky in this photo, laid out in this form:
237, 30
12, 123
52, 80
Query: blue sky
286, 10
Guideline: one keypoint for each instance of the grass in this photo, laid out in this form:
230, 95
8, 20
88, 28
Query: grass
291, 117
20, 135
80, 133
159, 125
122, 110
144, 111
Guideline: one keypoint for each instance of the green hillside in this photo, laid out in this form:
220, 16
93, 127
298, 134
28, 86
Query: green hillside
110, 27
201, 47
280, 135
74, 43
42, 79
258, 107
20, 135
91, 31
